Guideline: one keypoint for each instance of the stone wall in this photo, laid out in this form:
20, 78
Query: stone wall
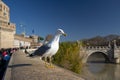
7, 38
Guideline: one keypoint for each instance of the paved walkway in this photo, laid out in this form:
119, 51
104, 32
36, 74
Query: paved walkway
22, 67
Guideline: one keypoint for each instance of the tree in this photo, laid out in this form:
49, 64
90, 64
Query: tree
40, 39
48, 37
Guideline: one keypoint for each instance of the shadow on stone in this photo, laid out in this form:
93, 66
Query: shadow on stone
19, 65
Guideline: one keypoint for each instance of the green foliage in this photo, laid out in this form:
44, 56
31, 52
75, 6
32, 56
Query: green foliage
68, 56
40, 38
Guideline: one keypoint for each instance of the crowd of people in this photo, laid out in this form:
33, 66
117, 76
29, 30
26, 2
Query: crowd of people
5, 55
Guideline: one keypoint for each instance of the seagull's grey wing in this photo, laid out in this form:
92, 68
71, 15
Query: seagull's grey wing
41, 50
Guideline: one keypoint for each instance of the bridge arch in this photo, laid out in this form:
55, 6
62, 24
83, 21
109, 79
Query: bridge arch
105, 55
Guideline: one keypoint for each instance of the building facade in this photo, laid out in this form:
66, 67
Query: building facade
7, 29
20, 41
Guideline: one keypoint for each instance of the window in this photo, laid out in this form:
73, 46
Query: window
5, 13
0, 7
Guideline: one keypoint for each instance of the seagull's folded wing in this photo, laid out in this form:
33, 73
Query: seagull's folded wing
41, 50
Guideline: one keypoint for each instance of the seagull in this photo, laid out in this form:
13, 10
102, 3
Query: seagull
49, 49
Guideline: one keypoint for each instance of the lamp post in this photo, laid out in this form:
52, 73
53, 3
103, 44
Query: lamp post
114, 43
22, 26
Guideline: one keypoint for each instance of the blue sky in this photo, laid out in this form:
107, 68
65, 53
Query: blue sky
78, 18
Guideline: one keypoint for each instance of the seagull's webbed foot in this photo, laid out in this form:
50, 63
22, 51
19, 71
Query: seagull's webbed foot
50, 66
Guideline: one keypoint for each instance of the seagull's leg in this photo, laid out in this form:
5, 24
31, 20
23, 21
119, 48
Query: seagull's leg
45, 61
51, 65
46, 64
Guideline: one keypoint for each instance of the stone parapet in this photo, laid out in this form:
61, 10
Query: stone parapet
7, 26
22, 67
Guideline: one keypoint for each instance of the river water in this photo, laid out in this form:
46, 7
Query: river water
97, 69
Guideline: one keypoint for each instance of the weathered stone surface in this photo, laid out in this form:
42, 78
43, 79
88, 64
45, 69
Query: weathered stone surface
26, 68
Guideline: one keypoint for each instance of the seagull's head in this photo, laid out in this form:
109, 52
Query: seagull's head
61, 32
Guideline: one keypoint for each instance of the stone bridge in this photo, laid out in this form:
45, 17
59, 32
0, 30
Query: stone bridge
110, 53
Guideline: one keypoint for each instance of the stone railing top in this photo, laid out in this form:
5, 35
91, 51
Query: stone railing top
96, 47
8, 26
117, 47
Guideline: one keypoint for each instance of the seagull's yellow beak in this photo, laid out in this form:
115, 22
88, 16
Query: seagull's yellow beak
65, 34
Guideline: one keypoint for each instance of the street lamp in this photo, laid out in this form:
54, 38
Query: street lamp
22, 26
114, 41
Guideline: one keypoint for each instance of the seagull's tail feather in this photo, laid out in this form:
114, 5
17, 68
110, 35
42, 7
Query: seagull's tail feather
26, 52
31, 55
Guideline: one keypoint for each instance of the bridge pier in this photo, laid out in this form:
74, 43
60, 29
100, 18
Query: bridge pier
117, 60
